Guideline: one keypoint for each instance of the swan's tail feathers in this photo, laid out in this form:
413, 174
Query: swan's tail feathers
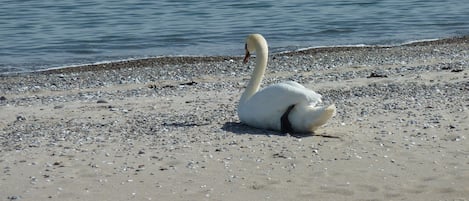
321, 116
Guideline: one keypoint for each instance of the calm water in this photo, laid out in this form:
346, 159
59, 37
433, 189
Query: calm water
37, 35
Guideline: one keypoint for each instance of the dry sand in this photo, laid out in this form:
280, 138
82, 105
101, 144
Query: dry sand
167, 129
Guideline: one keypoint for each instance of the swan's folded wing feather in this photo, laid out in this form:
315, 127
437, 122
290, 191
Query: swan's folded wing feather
292, 83
265, 107
286, 94
297, 93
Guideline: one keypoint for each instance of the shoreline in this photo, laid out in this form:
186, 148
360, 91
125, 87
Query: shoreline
165, 60
168, 130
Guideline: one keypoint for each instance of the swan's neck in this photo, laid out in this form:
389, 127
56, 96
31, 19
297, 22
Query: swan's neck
256, 77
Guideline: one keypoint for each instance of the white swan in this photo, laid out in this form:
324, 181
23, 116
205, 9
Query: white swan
287, 107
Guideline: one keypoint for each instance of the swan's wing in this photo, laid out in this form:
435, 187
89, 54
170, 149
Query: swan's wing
298, 92
265, 107
294, 84
280, 96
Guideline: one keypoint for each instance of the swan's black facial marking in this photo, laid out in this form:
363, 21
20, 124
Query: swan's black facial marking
246, 57
285, 125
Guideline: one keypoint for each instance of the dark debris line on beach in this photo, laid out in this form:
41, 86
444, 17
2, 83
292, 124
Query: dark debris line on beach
162, 61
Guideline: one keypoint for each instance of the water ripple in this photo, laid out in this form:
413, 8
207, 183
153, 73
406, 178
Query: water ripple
41, 34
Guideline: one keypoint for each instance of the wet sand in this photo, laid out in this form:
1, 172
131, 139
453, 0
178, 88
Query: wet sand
167, 129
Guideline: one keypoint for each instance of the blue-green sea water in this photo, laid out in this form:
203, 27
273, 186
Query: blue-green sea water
36, 35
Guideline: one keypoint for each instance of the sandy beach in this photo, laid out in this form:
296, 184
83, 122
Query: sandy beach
167, 129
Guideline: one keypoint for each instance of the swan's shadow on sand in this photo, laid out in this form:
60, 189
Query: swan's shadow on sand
243, 129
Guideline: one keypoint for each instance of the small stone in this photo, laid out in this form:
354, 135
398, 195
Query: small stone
20, 118
101, 101
456, 70
59, 106
374, 74
13, 197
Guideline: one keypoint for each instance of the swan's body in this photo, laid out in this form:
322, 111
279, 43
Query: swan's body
271, 106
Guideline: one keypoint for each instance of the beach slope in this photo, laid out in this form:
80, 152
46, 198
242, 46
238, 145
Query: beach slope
167, 129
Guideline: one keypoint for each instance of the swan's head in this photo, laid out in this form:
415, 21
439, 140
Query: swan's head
254, 42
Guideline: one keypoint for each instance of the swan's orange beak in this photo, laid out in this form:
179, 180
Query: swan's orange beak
246, 57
